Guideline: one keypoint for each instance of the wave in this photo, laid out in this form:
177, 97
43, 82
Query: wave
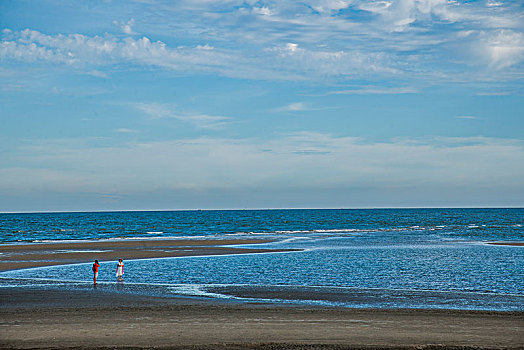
339, 230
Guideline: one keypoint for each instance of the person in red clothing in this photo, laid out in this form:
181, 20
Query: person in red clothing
96, 265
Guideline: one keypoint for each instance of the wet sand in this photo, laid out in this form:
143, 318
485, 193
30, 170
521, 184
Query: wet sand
33, 318
514, 244
19, 256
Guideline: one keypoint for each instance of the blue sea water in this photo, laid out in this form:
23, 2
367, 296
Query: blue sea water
386, 258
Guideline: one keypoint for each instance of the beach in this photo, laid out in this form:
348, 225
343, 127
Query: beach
90, 319
100, 318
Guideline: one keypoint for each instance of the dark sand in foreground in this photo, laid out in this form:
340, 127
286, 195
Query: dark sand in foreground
31, 318
98, 319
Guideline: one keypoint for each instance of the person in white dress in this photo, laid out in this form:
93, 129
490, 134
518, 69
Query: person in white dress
120, 270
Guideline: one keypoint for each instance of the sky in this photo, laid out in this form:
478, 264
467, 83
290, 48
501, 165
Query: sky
202, 104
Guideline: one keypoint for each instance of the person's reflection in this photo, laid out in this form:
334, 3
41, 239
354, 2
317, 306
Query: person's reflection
120, 285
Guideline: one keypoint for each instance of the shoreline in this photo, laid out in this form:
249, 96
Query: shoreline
22, 256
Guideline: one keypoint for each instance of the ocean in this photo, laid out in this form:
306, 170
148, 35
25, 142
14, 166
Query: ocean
369, 258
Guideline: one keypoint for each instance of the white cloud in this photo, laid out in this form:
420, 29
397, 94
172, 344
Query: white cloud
155, 110
294, 107
203, 121
491, 3
125, 131
330, 5
205, 47
126, 28
30, 46
264, 11
399, 15
80, 50
435, 40
406, 15
301, 107
374, 90
493, 50
97, 73
502, 48
322, 63
493, 93
291, 47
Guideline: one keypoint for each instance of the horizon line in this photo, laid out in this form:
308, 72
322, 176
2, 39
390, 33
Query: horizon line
255, 209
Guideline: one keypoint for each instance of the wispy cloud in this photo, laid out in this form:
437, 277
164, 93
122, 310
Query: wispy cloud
156, 110
202, 121
373, 90
491, 3
498, 49
97, 73
493, 93
339, 63
126, 131
287, 62
294, 107
316, 40
205, 121
305, 159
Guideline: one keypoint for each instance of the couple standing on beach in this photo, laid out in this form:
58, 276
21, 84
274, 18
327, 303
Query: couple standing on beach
119, 270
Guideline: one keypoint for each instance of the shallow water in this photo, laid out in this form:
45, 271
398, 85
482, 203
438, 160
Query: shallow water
428, 258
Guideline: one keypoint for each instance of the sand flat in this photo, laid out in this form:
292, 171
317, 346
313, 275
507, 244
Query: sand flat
19, 256
94, 319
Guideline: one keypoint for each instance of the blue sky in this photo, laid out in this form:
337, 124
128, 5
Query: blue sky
146, 104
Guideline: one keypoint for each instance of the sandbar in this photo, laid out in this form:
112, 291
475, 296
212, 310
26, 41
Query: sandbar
19, 256
514, 244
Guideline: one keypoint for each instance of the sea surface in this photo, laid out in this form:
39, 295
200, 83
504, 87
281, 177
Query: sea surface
373, 258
